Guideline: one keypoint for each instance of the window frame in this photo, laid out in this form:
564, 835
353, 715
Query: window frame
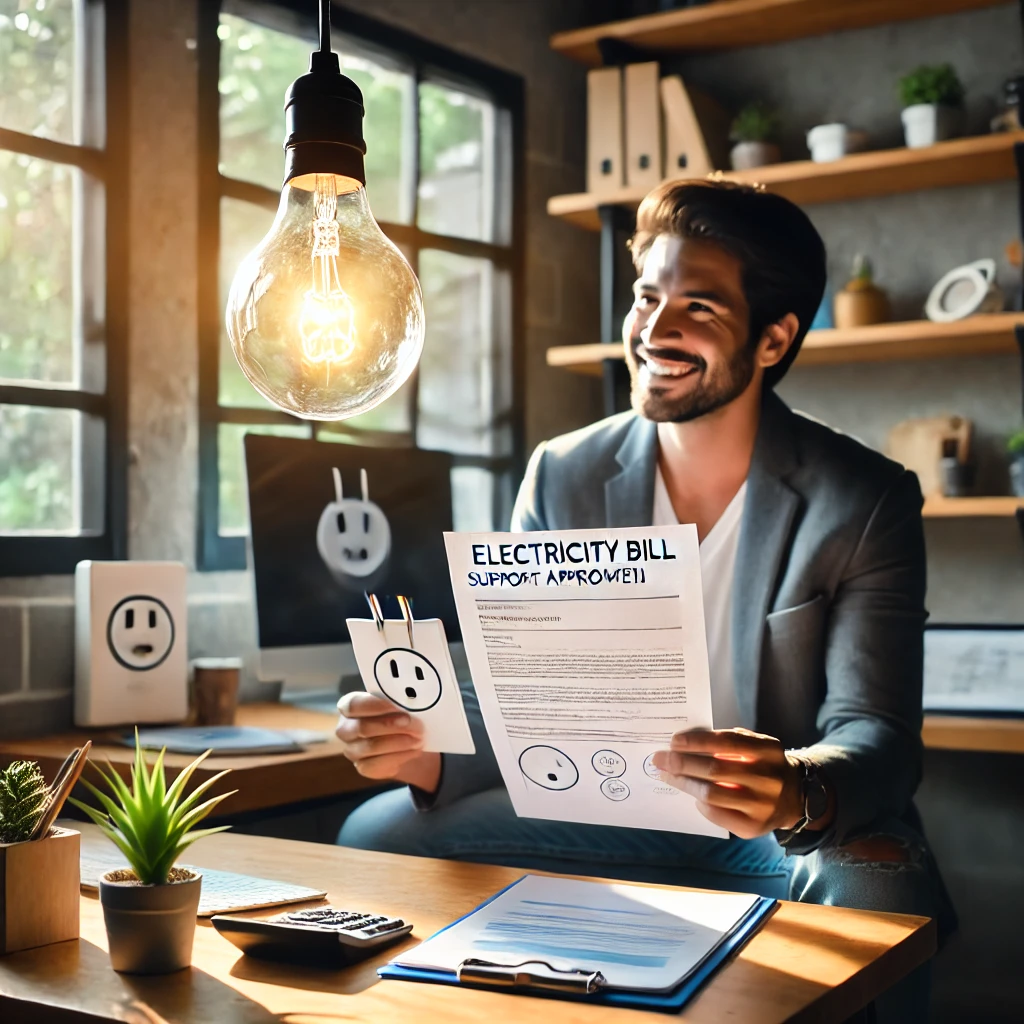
216, 551
33, 554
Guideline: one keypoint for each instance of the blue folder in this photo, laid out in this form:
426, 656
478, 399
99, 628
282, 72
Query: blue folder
668, 1002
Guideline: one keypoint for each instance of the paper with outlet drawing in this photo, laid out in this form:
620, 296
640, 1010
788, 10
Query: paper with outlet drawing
417, 677
587, 650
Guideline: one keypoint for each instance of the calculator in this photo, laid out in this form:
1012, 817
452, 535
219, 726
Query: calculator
325, 936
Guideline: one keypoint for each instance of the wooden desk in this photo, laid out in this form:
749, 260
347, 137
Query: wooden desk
263, 781
993, 735
807, 964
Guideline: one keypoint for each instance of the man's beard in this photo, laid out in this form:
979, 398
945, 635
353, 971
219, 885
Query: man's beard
711, 392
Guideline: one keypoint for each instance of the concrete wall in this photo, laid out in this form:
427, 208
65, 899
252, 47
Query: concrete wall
36, 615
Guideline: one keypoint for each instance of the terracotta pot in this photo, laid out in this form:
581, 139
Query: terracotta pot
747, 155
150, 928
860, 305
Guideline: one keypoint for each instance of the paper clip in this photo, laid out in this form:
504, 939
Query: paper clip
484, 972
378, 615
403, 603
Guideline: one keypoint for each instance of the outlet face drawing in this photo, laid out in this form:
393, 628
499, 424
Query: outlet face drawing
140, 632
353, 537
407, 678
548, 767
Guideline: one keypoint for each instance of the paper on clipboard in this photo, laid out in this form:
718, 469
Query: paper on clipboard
416, 676
588, 651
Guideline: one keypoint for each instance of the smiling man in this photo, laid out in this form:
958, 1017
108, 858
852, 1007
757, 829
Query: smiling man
813, 569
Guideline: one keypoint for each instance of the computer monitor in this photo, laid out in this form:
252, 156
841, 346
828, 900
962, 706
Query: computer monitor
329, 522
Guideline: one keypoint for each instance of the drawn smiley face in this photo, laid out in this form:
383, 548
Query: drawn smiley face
407, 679
548, 767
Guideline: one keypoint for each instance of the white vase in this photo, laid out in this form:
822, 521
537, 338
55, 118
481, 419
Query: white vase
924, 124
746, 155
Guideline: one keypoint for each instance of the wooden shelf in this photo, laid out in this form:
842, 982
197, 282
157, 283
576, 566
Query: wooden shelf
991, 334
988, 507
970, 161
995, 735
748, 23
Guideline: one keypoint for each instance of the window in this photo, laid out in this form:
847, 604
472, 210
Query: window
440, 132
61, 308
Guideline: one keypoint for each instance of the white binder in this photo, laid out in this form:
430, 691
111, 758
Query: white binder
604, 130
696, 131
644, 155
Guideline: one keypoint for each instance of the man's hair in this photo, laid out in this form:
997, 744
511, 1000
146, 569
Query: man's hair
781, 253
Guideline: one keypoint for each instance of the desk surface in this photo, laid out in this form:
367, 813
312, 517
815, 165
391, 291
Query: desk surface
807, 964
263, 781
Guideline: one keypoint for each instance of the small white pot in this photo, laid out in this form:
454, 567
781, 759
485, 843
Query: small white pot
746, 155
924, 124
829, 142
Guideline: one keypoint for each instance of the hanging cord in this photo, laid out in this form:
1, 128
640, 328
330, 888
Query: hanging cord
325, 26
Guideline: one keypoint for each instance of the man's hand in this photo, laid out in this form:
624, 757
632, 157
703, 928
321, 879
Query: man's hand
741, 780
383, 742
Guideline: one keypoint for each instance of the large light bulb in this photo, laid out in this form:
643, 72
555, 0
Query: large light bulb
325, 315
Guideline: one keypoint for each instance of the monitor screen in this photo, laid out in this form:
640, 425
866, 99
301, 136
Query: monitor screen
315, 551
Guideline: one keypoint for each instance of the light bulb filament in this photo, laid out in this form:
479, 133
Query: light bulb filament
327, 319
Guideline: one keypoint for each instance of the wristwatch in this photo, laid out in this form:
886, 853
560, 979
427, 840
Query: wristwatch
814, 792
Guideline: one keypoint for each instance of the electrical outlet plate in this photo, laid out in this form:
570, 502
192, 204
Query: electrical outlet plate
131, 644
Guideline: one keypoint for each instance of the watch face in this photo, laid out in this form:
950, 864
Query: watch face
815, 795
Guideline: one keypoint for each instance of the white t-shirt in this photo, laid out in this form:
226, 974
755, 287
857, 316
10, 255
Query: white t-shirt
717, 568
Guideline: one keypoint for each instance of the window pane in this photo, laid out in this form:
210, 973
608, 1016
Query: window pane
38, 67
37, 219
242, 226
457, 163
51, 471
234, 504
464, 376
256, 67
473, 500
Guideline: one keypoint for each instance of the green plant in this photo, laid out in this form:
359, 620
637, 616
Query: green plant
756, 122
1015, 445
151, 824
23, 795
935, 83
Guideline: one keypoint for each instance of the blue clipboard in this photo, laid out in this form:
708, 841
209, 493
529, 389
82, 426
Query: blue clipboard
667, 1002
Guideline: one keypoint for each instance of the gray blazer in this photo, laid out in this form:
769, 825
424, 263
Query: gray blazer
828, 599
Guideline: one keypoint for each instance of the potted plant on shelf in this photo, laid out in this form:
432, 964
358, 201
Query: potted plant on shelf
150, 908
1015, 448
932, 98
755, 131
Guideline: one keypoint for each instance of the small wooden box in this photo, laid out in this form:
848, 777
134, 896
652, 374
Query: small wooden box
39, 891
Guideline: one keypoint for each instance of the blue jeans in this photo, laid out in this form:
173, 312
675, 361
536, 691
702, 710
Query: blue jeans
888, 869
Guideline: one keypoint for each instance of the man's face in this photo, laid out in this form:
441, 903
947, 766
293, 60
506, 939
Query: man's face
686, 335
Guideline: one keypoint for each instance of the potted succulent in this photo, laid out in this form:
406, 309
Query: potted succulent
150, 908
755, 132
1015, 448
932, 98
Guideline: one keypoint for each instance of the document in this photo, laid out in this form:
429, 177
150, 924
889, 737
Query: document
974, 670
641, 939
413, 669
587, 651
